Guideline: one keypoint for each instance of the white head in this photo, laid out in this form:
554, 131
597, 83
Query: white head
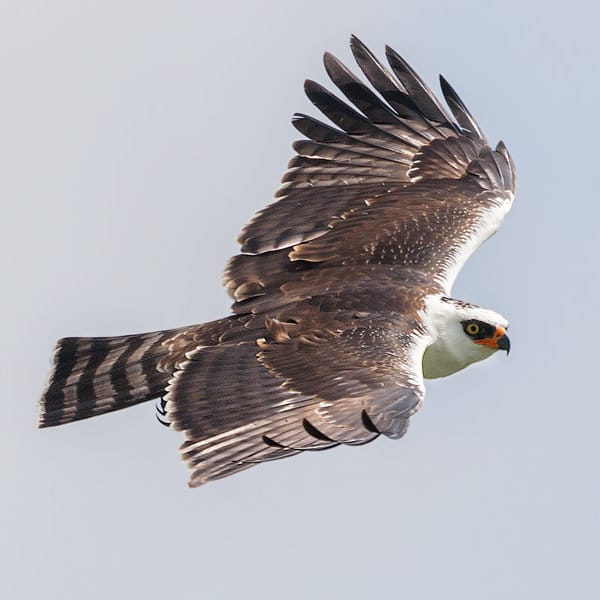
463, 334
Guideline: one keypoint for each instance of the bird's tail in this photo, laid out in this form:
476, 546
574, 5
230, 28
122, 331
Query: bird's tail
92, 376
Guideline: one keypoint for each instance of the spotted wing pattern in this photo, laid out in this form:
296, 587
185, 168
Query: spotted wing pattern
321, 374
395, 180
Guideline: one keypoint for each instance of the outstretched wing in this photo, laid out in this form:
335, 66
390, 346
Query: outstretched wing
318, 376
395, 181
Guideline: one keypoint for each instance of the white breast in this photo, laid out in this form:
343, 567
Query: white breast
441, 359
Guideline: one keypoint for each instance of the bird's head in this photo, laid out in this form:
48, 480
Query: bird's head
465, 334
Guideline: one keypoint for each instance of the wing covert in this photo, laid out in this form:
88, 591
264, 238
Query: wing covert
316, 376
393, 154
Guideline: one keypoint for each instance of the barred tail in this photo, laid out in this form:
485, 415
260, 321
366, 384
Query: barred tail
92, 376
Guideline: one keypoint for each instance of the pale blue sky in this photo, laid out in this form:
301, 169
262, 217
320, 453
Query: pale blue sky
136, 139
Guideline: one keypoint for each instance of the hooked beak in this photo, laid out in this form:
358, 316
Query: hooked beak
499, 341
503, 343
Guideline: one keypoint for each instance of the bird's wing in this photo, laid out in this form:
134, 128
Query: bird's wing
318, 376
395, 180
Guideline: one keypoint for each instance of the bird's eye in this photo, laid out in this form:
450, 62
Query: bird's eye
472, 329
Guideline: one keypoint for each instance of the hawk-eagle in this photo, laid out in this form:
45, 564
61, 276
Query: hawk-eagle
342, 287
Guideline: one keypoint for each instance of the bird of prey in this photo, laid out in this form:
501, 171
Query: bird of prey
342, 288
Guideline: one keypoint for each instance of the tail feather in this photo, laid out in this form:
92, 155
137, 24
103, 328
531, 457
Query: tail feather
92, 376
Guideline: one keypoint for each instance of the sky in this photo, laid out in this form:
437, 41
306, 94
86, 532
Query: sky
136, 139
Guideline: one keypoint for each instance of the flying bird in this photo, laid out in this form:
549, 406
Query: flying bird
342, 288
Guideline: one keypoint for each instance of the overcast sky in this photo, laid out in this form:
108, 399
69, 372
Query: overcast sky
136, 139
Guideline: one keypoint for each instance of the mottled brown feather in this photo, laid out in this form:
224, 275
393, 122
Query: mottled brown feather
325, 343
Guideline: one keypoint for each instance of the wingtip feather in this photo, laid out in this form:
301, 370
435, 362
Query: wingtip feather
461, 113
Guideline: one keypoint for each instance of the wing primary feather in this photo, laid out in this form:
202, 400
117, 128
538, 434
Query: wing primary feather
318, 131
459, 110
368, 423
314, 432
401, 124
510, 172
422, 96
383, 81
398, 136
361, 96
342, 153
367, 440
379, 143
275, 444
335, 110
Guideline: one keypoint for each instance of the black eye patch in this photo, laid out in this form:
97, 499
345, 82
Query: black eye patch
478, 330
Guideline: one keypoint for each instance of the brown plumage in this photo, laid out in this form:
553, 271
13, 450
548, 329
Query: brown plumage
374, 217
